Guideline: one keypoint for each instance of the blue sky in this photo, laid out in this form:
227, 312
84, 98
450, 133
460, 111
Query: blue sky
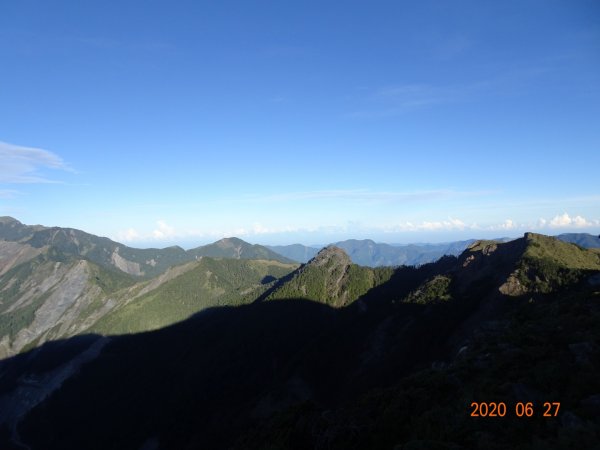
159, 122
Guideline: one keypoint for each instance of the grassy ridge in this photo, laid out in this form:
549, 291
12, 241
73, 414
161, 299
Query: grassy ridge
548, 263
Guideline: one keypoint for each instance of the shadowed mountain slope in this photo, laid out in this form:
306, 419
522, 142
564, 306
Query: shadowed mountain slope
396, 368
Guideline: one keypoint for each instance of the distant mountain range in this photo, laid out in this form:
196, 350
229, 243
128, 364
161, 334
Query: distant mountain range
153, 261
329, 354
58, 282
584, 240
22, 241
372, 254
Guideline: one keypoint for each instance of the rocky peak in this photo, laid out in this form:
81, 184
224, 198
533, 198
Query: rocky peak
331, 254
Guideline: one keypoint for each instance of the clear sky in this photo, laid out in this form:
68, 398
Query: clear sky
161, 122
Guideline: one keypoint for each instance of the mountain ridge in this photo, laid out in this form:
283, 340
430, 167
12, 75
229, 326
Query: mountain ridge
104, 251
58, 282
367, 252
277, 370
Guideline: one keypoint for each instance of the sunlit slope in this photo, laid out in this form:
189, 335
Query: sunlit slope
330, 278
56, 295
237, 249
99, 250
18, 242
53, 296
206, 283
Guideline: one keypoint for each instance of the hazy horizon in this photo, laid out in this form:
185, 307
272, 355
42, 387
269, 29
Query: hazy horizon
282, 240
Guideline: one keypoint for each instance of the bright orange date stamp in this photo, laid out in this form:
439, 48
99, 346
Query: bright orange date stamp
520, 409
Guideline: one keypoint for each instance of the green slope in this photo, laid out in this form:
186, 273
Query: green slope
238, 249
206, 283
100, 250
331, 278
549, 263
143, 263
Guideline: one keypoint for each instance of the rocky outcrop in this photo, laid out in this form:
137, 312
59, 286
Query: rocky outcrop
513, 286
331, 256
130, 267
62, 297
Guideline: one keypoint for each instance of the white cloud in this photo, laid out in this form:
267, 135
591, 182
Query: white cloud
163, 231
566, 221
450, 224
579, 221
167, 233
508, 224
440, 225
560, 221
20, 164
128, 235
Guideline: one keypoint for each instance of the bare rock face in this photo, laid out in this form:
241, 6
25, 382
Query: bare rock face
130, 267
468, 260
65, 293
513, 286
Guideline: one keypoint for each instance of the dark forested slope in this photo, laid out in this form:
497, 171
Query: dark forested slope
396, 367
